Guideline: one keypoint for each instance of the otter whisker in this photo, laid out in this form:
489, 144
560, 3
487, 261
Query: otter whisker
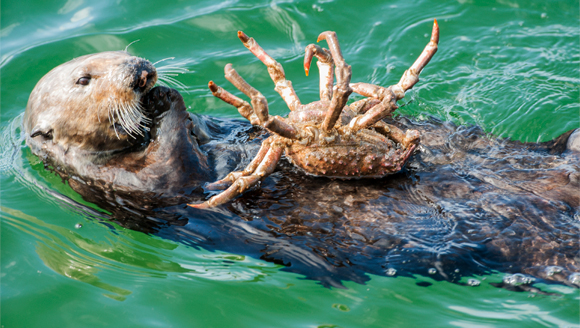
134, 116
146, 119
128, 120
127, 47
174, 70
164, 59
169, 73
111, 114
113, 122
168, 80
138, 119
172, 66
166, 73
179, 65
171, 81
120, 116
163, 81
125, 120
179, 83
171, 69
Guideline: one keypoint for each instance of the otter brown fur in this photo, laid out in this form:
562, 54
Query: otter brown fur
97, 118
467, 203
80, 103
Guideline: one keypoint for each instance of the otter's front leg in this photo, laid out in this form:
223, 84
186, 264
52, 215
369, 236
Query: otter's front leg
173, 157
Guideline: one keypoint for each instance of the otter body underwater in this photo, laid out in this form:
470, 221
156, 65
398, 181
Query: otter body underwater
465, 204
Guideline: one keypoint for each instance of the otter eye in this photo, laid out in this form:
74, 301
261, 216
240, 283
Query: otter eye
84, 80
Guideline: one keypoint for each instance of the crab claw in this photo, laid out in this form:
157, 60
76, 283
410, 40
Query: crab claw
243, 37
325, 67
342, 89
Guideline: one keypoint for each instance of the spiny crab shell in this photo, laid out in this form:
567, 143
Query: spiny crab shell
343, 154
327, 137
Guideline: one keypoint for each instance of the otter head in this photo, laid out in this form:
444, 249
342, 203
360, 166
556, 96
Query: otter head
92, 103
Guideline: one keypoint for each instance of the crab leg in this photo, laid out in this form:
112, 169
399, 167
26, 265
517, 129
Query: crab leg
241, 184
364, 105
405, 138
325, 68
425, 57
342, 89
243, 106
390, 95
259, 102
233, 176
283, 86
387, 105
257, 113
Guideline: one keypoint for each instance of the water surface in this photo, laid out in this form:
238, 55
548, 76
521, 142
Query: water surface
510, 67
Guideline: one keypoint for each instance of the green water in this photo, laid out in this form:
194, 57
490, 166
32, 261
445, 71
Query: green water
511, 67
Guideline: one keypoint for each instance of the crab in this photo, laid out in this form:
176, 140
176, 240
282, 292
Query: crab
326, 137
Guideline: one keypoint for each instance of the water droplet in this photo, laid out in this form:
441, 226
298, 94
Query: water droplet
391, 272
473, 282
552, 270
432, 271
78, 226
544, 15
456, 270
517, 279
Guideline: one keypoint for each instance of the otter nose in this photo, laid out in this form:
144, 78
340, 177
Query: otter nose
144, 77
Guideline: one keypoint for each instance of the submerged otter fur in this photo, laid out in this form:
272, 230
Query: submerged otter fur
467, 203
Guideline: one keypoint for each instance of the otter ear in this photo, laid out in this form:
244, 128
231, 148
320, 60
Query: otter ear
44, 131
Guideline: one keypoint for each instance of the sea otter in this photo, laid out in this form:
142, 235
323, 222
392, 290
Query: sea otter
97, 118
467, 203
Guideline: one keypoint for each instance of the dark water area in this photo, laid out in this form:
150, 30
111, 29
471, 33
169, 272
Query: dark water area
481, 205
